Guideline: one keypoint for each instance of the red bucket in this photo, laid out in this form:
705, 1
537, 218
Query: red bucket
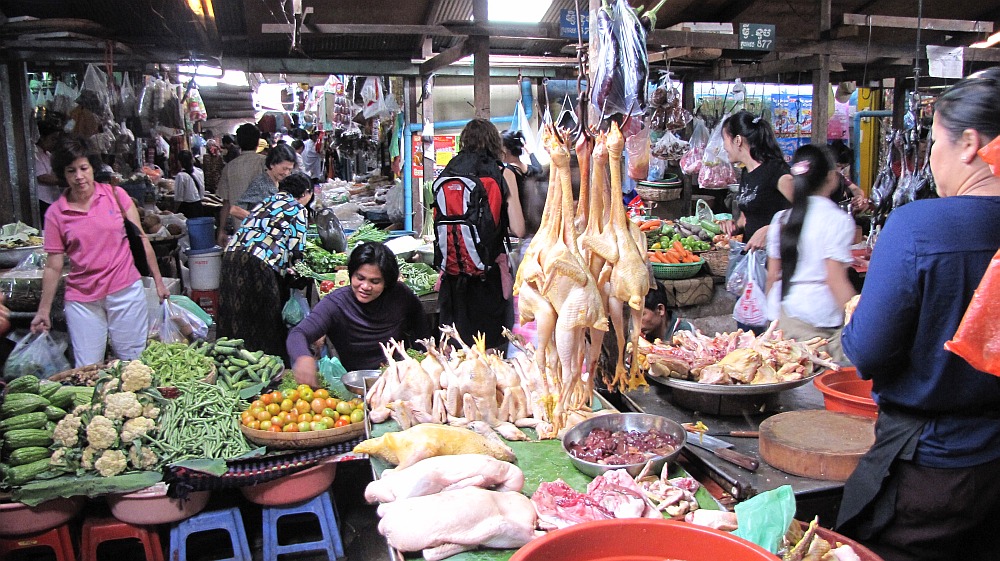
843, 391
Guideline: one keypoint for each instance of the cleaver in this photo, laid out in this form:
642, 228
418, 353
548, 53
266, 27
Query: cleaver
721, 449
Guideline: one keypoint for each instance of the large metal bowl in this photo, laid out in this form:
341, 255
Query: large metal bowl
358, 381
624, 421
11, 257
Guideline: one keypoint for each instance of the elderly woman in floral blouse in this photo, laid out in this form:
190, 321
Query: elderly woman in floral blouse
255, 265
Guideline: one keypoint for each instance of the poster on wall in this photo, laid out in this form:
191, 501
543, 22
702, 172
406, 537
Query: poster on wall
792, 114
445, 148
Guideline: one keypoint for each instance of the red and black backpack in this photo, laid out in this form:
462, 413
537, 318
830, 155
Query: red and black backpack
470, 215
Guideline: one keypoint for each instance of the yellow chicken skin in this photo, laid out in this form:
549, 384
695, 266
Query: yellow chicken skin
408, 447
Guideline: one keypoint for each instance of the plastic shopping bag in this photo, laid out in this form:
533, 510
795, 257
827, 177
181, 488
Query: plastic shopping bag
637, 147
978, 337
180, 325
716, 171
752, 304
691, 160
295, 309
41, 355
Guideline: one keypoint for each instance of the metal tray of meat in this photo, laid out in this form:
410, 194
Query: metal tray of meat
733, 389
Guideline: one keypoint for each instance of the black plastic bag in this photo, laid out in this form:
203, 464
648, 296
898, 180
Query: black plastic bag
622, 64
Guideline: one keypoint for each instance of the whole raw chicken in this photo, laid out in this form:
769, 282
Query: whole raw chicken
445, 473
422, 441
451, 522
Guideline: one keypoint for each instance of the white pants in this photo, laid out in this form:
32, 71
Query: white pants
122, 315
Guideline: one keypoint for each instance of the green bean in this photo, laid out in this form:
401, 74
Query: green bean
202, 423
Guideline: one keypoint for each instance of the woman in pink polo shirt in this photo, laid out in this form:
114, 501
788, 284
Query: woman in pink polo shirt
104, 295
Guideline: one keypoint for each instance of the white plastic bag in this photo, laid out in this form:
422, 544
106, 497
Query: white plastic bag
180, 325
691, 160
751, 306
716, 171
373, 97
39, 355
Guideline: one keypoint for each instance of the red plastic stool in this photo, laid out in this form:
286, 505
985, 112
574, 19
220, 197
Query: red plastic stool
99, 530
57, 539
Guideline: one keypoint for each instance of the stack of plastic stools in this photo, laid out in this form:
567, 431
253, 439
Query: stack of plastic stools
57, 539
228, 519
322, 508
99, 530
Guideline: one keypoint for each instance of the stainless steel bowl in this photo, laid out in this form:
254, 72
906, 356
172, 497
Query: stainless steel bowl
11, 257
358, 381
624, 421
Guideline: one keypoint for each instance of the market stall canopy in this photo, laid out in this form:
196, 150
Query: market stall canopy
423, 36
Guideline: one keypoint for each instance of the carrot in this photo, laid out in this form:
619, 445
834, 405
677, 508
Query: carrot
679, 247
692, 259
672, 258
649, 225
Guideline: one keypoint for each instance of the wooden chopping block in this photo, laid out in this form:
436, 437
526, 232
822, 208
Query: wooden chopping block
818, 444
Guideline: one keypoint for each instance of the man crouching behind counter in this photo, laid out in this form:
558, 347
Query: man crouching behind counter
375, 307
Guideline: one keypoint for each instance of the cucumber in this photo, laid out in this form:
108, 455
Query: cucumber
28, 454
21, 438
23, 384
54, 413
35, 420
711, 227
19, 475
48, 388
27, 403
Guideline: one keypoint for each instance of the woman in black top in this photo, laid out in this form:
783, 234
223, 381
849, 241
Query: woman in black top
530, 193
765, 186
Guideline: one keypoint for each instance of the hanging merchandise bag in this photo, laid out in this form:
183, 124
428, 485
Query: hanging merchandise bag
716, 170
978, 337
94, 95
622, 65
752, 305
691, 160
195, 106
296, 309
637, 147
373, 97
64, 99
40, 355
524, 125
129, 100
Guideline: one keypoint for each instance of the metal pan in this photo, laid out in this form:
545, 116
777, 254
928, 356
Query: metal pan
733, 389
358, 381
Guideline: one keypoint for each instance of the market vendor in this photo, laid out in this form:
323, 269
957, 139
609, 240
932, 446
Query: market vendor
255, 279
104, 292
375, 307
658, 320
928, 488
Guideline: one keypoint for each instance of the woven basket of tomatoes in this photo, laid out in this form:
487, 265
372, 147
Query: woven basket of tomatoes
302, 418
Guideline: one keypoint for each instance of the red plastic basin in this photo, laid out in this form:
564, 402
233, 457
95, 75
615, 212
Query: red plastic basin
640, 539
843, 391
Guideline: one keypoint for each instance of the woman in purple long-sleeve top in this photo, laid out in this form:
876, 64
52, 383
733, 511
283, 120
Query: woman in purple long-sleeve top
375, 307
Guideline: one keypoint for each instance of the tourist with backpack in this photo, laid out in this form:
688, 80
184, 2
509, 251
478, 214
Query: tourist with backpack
474, 210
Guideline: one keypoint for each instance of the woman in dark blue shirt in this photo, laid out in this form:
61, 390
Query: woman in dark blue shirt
928, 487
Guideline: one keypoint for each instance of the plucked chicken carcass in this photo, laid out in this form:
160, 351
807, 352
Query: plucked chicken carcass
445, 473
416, 443
450, 522
403, 390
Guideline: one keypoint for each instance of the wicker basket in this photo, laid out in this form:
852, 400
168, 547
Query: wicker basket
676, 271
658, 193
718, 261
299, 440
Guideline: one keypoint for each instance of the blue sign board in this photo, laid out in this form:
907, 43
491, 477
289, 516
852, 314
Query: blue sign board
567, 25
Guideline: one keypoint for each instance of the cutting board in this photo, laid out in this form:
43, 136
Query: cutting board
818, 444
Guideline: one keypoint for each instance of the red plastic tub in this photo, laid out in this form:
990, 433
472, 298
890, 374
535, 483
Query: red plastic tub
640, 539
297, 487
843, 391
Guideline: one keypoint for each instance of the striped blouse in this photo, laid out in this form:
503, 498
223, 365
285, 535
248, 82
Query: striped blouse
275, 231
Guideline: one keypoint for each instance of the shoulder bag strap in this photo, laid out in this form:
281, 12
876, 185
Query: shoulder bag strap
114, 195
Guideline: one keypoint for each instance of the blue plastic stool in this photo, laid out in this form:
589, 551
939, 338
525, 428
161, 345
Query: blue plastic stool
322, 508
228, 519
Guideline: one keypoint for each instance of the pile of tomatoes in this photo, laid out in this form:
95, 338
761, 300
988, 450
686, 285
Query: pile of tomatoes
300, 410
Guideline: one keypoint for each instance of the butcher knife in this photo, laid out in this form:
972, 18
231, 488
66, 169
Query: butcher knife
721, 448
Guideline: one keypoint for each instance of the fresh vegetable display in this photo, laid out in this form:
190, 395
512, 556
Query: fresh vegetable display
200, 423
319, 260
368, 232
112, 434
301, 409
27, 420
240, 369
175, 363
675, 254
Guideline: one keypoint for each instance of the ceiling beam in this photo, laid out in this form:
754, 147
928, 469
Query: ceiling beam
373, 67
772, 67
506, 30
463, 49
934, 24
